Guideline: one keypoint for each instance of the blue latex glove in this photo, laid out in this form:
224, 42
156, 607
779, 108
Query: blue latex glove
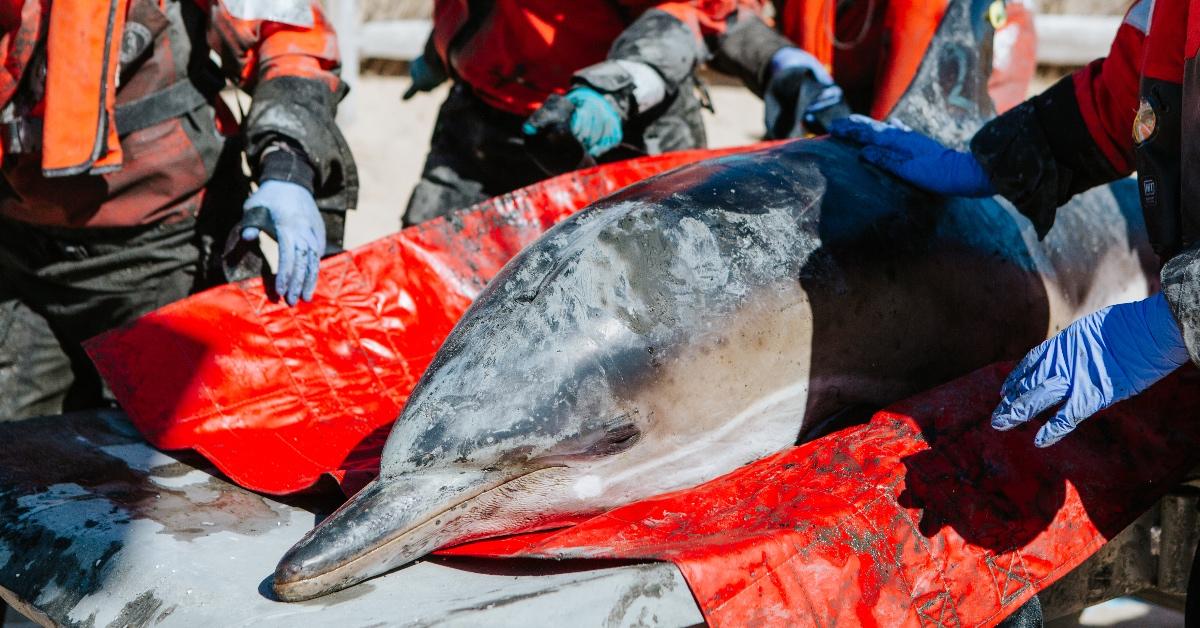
790, 67
301, 234
791, 57
916, 158
1100, 359
425, 76
595, 122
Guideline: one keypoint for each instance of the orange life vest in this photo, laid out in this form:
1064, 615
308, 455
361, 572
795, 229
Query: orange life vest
83, 50
109, 117
873, 49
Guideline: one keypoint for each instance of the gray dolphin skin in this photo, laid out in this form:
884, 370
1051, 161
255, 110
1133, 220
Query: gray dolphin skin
713, 315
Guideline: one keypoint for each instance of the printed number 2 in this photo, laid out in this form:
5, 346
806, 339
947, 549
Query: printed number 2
961, 64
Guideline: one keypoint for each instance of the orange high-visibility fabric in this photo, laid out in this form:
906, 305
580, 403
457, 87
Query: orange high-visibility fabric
810, 24
82, 56
155, 174
909, 26
877, 67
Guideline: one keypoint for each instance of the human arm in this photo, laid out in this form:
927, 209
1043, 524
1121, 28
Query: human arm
647, 64
1103, 358
290, 70
799, 94
1072, 137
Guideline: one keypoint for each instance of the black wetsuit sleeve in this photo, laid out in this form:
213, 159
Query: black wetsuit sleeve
1040, 154
745, 50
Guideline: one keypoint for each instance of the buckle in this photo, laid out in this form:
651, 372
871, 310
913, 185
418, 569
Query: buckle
21, 136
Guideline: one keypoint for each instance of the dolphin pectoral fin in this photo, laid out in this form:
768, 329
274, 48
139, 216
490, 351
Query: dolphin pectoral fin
388, 524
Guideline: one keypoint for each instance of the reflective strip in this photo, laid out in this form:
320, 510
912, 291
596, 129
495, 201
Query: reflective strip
1139, 16
290, 12
649, 88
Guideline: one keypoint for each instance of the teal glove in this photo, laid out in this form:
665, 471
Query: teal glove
594, 121
301, 233
426, 76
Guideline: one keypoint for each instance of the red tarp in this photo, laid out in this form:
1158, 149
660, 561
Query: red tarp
925, 516
277, 396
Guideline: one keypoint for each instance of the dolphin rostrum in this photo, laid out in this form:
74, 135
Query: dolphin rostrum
711, 316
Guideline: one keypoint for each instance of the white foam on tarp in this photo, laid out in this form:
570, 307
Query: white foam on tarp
138, 456
193, 477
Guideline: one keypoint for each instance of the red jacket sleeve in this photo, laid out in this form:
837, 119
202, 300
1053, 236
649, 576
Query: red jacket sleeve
255, 51
1107, 90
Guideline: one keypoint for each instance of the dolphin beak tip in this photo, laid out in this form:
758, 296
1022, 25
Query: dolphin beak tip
293, 582
297, 591
346, 548
380, 529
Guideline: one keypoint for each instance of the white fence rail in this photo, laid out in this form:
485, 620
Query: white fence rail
1074, 39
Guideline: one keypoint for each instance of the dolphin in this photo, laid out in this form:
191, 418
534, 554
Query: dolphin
714, 315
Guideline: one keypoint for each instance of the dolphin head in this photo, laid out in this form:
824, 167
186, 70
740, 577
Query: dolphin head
590, 359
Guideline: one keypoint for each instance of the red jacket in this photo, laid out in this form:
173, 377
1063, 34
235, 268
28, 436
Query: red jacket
874, 49
1149, 44
522, 51
1118, 114
84, 169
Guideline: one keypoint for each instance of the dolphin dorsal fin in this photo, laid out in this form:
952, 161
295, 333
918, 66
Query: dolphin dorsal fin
948, 98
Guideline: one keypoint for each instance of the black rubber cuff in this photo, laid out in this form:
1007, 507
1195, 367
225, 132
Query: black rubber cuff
284, 162
1040, 154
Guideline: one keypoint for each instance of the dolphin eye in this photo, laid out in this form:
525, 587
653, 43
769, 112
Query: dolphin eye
618, 438
597, 437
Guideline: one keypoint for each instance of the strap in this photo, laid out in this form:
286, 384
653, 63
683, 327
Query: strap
21, 136
1190, 151
176, 100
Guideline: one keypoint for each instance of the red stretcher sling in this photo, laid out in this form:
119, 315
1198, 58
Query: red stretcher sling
923, 516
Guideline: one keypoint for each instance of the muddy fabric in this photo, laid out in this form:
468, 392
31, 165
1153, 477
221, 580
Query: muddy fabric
1028, 616
478, 152
662, 42
301, 111
60, 286
515, 53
